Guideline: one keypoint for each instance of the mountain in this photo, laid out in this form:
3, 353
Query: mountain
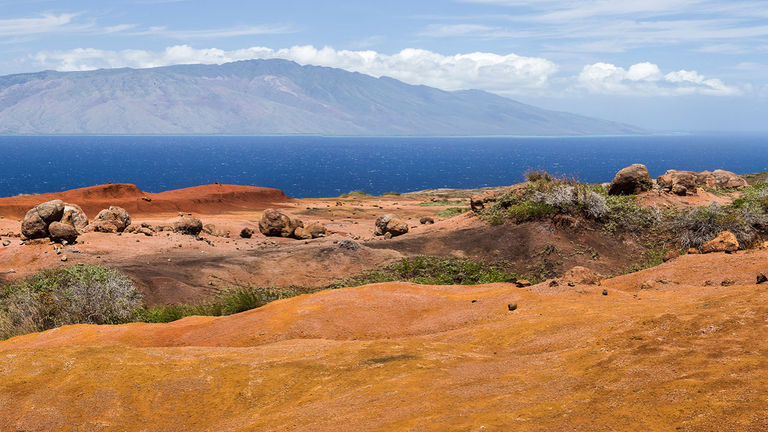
266, 97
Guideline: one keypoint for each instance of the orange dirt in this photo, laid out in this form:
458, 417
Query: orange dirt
208, 199
681, 356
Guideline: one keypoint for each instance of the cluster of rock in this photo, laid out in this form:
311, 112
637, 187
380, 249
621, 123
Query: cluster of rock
389, 225
54, 219
277, 224
636, 179
687, 182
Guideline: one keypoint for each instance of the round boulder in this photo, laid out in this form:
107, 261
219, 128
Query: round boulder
302, 233
115, 215
33, 226
631, 180
276, 224
60, 231
36, 221
316, 230
188, 225
246, 233
390, 224
581, 275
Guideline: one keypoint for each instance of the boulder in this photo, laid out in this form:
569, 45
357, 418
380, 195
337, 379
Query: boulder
726, 241
276, 224
75, 216
38, 218
104, 226
426, 220
246, 233
33, 226
188, 226
631, 180
60, 231
51, 211
115, 215
316, 230
728, 180
477, 202
581, 275
302, 233
390, 224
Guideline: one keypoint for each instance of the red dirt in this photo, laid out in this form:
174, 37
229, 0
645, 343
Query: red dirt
207, 199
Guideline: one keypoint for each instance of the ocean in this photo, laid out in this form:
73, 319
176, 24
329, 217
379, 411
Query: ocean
314, 166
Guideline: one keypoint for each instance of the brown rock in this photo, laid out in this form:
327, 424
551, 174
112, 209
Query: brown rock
276, 224
51, 211
522, 283
302, 233
726, 241
761, 278
33, 226
631, 180
104, 226
117, 216
389, 223
188, 226
426, 220
60, 231
75, 216
728, 180
316, 230
246, 233
581, 275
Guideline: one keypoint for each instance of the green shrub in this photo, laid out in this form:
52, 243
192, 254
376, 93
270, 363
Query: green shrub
538, 176
353, 194
452, 211
433, 271
71, 295
441, 203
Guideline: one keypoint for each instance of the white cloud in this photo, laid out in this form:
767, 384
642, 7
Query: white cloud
509, 74
646, 79
41, 24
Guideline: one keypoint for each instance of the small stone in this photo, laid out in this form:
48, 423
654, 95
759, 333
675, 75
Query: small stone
512, 306
693, 251
727, 282
474, 301
64, 258
761, 278
11, 271
553, 283
605, 292
522, 283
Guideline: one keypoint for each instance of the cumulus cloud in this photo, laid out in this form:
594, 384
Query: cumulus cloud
647, 79
487, 71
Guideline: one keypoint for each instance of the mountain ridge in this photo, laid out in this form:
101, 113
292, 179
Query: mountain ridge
266, 97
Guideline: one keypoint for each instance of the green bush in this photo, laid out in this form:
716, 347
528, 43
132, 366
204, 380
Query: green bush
434, 271
353, 194
441, 203
452, 211
71, 295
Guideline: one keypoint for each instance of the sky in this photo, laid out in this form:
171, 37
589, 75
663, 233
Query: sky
667, 65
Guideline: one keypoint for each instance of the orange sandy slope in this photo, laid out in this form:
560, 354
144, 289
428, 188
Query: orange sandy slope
207, 199
402, 357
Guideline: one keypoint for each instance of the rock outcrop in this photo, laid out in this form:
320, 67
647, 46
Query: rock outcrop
631, 180
53, 219
687, 182
581, 275
390, 224
726, 241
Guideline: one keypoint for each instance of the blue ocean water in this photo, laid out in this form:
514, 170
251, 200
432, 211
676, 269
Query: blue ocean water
312, 166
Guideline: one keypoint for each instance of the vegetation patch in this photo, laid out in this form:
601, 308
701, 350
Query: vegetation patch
71, 295
441, 203
357, 193
451, 212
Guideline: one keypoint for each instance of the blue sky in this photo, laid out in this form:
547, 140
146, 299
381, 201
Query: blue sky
662, 64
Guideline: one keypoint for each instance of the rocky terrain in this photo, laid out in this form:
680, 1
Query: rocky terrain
602, 335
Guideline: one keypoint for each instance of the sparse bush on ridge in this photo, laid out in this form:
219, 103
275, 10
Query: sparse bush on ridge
71, 295
700, 225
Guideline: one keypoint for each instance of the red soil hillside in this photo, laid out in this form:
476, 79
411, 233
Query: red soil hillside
682, 356
208, 199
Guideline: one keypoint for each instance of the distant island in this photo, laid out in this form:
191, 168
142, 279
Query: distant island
262, 97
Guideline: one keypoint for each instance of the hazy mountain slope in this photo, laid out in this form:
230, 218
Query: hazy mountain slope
265, 97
